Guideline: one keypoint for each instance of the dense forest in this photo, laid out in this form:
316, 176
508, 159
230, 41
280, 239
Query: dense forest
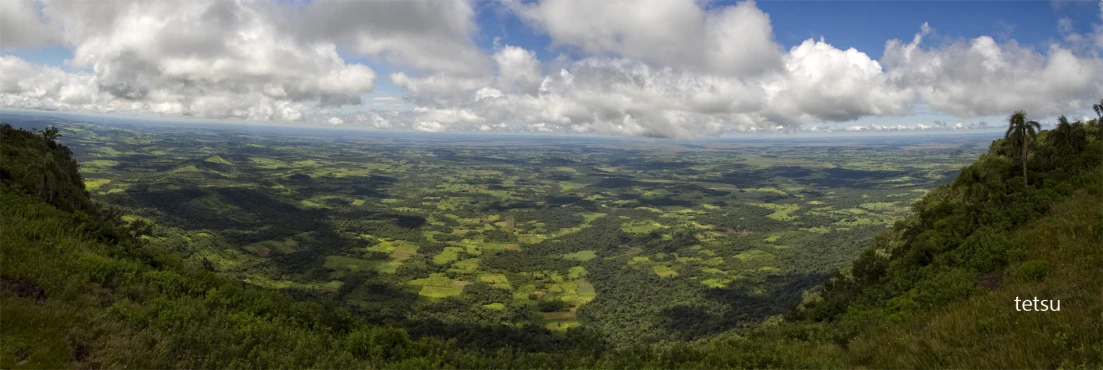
82, 286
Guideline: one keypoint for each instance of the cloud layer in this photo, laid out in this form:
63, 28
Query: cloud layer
706, 71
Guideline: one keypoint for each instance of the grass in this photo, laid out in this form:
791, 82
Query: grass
641, 227
217, 160
782, 212
468, 265
496, 280
263, 248
581, 255
438, 285
664, 271
403, 250
716, 282
93, 184
755, 256
448, 255
99, 163
561, 326
349, 263
986, 331
576, 292
266, 163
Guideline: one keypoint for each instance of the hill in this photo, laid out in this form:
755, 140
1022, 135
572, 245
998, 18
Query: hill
82, 289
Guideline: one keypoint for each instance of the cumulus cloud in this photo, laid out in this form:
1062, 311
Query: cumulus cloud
706, 71
22, 25
735, 39
628, 97
425, 35
201, 58
30, 86
978, 77
824, 83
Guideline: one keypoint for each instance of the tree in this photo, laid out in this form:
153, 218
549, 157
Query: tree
1019, 132
1098, 121
43, 175
973, 182
50, 134
1066, 137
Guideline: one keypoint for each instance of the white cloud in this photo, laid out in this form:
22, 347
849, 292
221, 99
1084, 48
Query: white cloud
21, 25
981, 77
518, 70
704, 72
425, 35
201, 58
733, 40
628, 97
827, 84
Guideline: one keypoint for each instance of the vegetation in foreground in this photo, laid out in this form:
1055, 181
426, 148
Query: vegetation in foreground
82, 289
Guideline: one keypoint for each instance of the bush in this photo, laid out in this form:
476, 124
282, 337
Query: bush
98, 268
1035, 270
985, 250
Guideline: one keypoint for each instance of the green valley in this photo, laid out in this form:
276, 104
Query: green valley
337, 248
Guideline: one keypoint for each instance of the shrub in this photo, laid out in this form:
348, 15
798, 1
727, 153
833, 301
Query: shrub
985, 250
1034, 270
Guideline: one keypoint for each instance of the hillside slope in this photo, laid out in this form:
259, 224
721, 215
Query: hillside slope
986, 331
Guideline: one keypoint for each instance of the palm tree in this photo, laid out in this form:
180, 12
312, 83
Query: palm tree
973, 181
43, 178
977, 183
1019, 132
1098, 121
1066, 137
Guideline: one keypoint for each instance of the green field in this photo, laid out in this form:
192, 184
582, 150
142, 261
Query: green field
509, 231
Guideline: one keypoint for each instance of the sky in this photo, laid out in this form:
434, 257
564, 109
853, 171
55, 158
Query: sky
651, 68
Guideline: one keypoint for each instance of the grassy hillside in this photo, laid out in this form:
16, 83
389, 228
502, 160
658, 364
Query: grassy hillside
81, 288
985, 330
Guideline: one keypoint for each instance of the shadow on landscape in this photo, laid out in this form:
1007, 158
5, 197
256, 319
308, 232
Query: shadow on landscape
854, 179
397, 219
616, 183
748, 178
744, 310
388, 304
638, 164
223, 208
373, 186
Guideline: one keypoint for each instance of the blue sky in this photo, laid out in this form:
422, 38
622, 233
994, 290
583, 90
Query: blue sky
429, 94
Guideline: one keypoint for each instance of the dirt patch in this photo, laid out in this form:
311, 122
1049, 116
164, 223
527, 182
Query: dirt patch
23, 289
633, 251
990, 281
263, 252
